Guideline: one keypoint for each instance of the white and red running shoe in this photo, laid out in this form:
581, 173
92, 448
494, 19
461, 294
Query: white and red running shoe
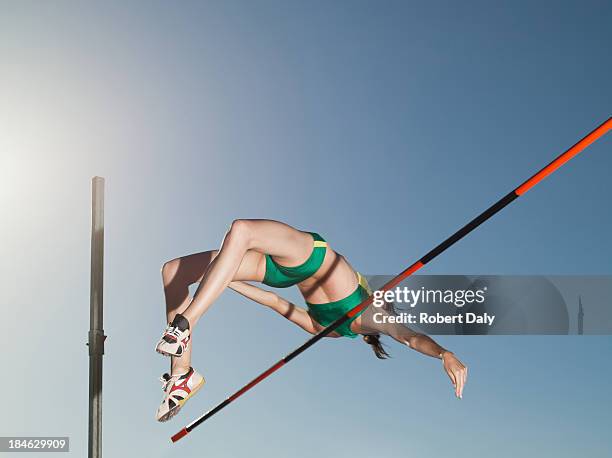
177, 389
175, 339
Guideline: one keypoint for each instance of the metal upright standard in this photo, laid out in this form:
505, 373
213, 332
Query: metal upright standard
96, 332
469, 227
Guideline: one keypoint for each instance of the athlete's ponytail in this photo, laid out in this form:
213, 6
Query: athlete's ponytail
377, 347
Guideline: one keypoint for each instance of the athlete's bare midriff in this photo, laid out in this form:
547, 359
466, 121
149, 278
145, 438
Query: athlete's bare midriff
334, 280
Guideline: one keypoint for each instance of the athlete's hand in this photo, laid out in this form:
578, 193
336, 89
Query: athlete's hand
456, 371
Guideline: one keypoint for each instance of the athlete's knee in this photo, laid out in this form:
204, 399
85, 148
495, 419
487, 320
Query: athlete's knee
169, 270
240, 233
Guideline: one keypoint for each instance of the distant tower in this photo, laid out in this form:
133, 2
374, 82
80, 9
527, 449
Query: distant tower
580, 316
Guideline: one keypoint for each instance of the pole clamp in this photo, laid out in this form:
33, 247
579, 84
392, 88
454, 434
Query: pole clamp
96, 342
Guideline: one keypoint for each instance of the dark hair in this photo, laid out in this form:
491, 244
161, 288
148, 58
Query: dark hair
377, 347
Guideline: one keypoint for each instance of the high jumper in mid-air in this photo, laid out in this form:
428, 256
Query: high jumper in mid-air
277, 255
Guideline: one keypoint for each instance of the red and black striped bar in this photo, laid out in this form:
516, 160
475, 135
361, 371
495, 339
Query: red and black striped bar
469, 227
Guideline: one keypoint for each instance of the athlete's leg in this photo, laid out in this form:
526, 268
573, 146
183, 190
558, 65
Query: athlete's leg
178, 274
263, 236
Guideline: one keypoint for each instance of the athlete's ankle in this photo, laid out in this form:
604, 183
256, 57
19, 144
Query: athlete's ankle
179, 371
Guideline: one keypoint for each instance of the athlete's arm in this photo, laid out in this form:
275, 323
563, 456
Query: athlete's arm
280, 305
259, 295
454, 368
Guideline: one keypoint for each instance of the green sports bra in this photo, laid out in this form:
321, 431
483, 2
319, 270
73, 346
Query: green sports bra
279, 276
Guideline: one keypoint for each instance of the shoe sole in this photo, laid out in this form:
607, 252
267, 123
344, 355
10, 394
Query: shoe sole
165, 353
194, 391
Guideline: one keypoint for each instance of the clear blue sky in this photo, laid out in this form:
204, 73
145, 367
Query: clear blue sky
383, 126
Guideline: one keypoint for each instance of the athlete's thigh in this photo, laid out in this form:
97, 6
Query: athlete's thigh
192, 268
252, 267
189, 269
285, 243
